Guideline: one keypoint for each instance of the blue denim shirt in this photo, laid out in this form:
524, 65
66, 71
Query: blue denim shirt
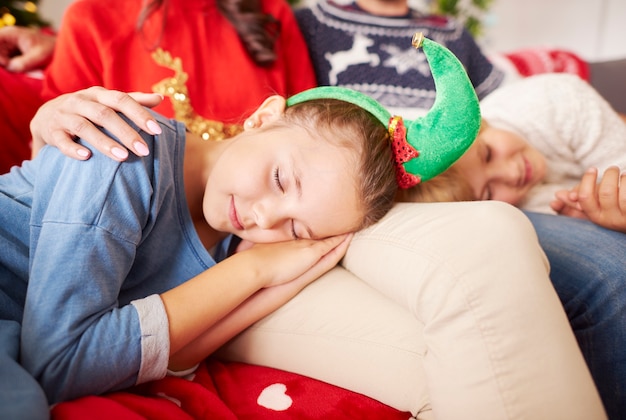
86, 249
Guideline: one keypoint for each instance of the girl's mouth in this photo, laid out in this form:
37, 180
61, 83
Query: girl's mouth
232, 215
528, 171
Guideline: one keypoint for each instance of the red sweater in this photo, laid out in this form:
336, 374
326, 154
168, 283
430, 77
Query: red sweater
98, 45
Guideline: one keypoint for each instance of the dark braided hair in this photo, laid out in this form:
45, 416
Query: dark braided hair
257, 31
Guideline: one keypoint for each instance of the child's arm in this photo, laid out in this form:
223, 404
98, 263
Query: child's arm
250, 285
256, 307
603, 203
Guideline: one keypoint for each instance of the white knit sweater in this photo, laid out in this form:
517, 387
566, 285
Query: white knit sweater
567, 121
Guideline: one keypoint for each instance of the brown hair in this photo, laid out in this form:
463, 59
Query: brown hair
257, 31
349, 125
448, 186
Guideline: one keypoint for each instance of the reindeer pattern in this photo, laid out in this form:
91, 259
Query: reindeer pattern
357, 54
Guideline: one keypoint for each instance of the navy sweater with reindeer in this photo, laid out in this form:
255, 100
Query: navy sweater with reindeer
373, 54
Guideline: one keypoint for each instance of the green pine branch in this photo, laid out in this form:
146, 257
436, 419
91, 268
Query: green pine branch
471, 15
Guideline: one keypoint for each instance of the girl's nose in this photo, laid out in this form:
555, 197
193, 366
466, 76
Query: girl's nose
506, 171
267, 214
261, 217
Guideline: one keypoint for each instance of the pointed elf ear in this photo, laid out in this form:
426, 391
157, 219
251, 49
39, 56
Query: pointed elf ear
429, 145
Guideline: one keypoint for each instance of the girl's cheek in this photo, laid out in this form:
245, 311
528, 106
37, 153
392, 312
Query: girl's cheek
508, 196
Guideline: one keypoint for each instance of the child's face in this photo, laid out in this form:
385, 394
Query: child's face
281, 184
501, 165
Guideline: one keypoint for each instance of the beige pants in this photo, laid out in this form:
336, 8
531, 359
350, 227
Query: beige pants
444, 310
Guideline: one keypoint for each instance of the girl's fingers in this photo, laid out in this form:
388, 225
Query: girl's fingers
336, 253
608, 189
587, 193
329, 259
606, 206
335, 246
622, 192
308, 257
566, 197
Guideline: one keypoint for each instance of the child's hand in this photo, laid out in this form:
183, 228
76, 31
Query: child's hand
566, 204
302, 259
603, 203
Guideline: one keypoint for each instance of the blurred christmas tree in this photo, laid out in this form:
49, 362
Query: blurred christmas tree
21, 13
470, 12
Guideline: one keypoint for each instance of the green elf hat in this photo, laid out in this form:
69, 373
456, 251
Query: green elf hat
429, 145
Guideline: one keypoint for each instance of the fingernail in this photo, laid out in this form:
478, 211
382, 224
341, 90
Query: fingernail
141, 149
154, 127
119, 153
82, 153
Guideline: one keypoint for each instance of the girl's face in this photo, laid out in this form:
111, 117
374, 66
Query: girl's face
501, 165
281, 184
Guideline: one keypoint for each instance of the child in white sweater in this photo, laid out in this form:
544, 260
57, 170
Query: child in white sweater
543, 142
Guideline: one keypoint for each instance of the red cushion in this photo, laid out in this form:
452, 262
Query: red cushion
19, 100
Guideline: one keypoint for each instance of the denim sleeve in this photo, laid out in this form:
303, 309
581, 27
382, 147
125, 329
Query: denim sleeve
87, 221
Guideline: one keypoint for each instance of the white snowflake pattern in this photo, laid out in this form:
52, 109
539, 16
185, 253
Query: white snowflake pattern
405, 60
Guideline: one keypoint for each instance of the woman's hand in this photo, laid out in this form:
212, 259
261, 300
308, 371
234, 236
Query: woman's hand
61, 120
603, 203
23, 49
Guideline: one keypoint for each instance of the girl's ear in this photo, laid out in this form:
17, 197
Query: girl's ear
270, 110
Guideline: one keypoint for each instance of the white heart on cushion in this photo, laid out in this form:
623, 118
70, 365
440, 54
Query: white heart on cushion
275, 398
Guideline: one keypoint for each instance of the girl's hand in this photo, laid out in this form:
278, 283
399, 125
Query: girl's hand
243, 288
290, 266
565, 203
302, 260
603, 203
61, 120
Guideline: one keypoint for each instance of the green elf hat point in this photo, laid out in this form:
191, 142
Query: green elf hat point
427, 146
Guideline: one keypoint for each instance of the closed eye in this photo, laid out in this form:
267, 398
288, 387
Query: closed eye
282, 189
277, 180
487, 194
487, 153
293, 230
